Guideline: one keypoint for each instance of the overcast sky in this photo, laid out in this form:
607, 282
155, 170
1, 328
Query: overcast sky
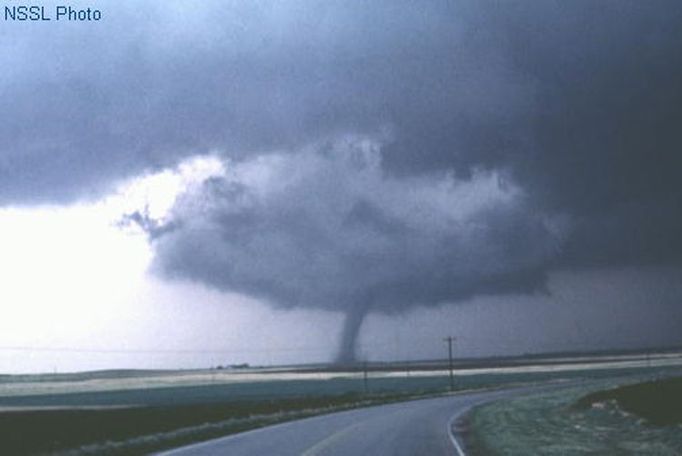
273, 182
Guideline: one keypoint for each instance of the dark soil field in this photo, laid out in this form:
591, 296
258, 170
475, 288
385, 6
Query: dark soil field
139, 430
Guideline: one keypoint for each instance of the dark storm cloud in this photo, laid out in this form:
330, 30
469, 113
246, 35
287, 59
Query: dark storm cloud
601, 138
324, 227
606, 127
576, 105
84, 105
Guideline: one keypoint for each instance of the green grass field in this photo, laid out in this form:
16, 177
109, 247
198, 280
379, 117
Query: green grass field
658, 402
641, 417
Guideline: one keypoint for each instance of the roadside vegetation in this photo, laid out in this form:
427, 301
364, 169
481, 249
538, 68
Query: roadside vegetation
658, 402
606, 418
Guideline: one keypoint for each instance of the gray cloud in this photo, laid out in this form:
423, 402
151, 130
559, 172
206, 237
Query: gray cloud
84, 106
599, 142
325, 227
576, 105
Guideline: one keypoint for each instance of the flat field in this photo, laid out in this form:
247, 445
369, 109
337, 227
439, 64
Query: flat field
135, 412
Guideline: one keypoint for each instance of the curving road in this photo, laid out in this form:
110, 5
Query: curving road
421, 427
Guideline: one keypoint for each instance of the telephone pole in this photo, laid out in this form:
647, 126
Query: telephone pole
449, 340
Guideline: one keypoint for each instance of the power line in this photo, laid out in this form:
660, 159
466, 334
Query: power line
173, 350
157, 351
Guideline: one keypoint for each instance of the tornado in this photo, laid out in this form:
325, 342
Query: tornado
347, 351
327, 228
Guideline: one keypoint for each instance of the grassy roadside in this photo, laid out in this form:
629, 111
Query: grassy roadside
583, 420
658, 402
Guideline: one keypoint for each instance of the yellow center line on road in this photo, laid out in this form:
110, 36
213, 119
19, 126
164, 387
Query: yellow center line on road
338, 435
326, 443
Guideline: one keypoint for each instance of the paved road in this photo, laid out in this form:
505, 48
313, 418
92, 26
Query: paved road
419, 427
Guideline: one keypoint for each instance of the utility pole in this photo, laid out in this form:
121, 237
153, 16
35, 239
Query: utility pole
449, 340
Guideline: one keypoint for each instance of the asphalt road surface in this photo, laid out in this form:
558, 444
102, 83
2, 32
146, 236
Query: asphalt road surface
421, 427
